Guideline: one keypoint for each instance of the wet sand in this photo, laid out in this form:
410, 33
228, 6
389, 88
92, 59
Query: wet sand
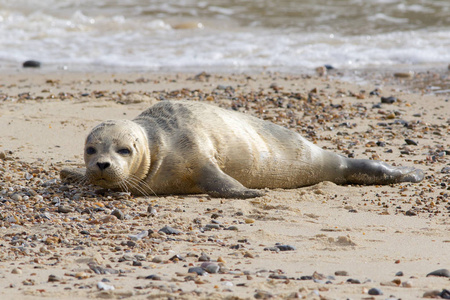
60, 241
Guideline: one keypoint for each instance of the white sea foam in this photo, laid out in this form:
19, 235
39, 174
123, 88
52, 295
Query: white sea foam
135, 34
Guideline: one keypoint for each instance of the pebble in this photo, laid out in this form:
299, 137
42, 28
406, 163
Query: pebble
153, 277
105, 287
353, 281
399, 273
197, 270
16, 271
16, 197
2, 155
440, 273
388, 100
118, 214
375, 291
407, 284
169, 230
151, 210
410, 142
204, 257
176, 257
341, 273
53, 278
212, 226
285, 247
432, 294
210, 267
31, 64
157, 260
277, 276
65, 209
263, 295
139, 236
409, 74
235, 228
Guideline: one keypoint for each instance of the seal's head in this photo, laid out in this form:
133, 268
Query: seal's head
117, 155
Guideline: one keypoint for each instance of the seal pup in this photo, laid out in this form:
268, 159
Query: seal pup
186, 147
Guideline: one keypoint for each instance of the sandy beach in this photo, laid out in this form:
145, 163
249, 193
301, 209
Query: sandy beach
62, 241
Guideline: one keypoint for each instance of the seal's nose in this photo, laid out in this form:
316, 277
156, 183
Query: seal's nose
103, 166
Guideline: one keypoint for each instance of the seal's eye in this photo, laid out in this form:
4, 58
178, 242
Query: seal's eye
90, 150
124, 151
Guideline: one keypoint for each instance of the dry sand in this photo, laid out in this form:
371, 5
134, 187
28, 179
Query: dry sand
370, 232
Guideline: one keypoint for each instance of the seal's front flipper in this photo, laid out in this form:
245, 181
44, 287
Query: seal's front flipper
216, 183
72, 175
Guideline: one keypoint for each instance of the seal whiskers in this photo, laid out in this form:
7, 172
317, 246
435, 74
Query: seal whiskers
135, 183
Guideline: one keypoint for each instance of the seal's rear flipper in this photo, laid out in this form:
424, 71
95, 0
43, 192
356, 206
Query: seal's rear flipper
72, 175
365, 171
216, 183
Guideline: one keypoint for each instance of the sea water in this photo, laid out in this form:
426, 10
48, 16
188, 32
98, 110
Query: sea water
291, 35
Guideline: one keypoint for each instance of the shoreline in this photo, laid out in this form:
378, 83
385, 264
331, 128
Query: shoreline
426, 79
370, 232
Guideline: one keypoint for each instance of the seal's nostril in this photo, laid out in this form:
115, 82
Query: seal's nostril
103, 166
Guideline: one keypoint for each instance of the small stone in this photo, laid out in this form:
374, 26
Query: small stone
249, 221
275, 249
399, 273
131, 244
353, 281
169, 230
375, 291
139, 236
407, 284
157, 260
137, 263
212, 226
410, 142
16, 197
341, 273
388, 283
151, 210
105, 287
81, 275
118, 214
440, 273
409, 74
432, 294
197, 270
204, 257
263, 295
153, 277
2, 155
176, 257
388, 100
277, 276
53, 278
65, 209
31, 64
285, 247
306, 278
235, 228
16, 271
210, 267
